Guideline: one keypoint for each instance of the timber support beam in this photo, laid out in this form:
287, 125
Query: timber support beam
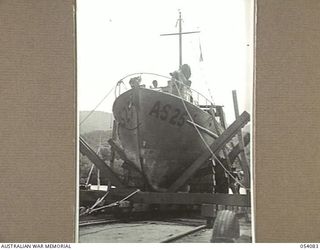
216, 146
117, 148
106, 171
183, 198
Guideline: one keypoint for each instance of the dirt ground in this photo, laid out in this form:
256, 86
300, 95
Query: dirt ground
152, 232
204, 236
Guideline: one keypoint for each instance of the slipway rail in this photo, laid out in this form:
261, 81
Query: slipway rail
184, 234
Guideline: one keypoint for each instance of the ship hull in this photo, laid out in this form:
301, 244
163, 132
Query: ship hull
155, 132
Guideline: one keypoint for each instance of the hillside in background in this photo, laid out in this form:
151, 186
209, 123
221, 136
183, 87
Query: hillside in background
98, 120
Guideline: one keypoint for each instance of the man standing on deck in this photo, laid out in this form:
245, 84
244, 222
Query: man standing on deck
182, 81
183, 75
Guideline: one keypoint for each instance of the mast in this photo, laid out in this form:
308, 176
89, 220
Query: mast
180, 33
180, 40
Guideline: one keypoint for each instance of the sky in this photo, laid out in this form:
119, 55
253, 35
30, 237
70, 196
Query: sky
119, 37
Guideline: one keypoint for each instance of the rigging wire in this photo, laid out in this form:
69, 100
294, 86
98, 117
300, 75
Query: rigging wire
203, 72
203, 140
102, 100
211, 99
114, 88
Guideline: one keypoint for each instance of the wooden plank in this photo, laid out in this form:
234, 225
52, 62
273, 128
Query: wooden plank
236, 149
243, 159
169, 198
222, 121
209, 210
184, 198
89, 197
99, 163
114, 135
216, 146
232, 156
123, 156
183, 234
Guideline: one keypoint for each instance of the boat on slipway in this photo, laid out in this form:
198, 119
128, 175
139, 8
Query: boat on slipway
163, 130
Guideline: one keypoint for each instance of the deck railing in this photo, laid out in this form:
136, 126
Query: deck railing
191, 95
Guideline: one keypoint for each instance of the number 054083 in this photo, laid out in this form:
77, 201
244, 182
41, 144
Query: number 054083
309, 245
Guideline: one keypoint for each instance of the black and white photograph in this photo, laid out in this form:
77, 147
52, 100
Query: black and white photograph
165, 121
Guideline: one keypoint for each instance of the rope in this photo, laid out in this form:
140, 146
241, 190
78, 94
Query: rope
203, 72
210, 96
203, 140
97, 106
98, 202
117, 203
